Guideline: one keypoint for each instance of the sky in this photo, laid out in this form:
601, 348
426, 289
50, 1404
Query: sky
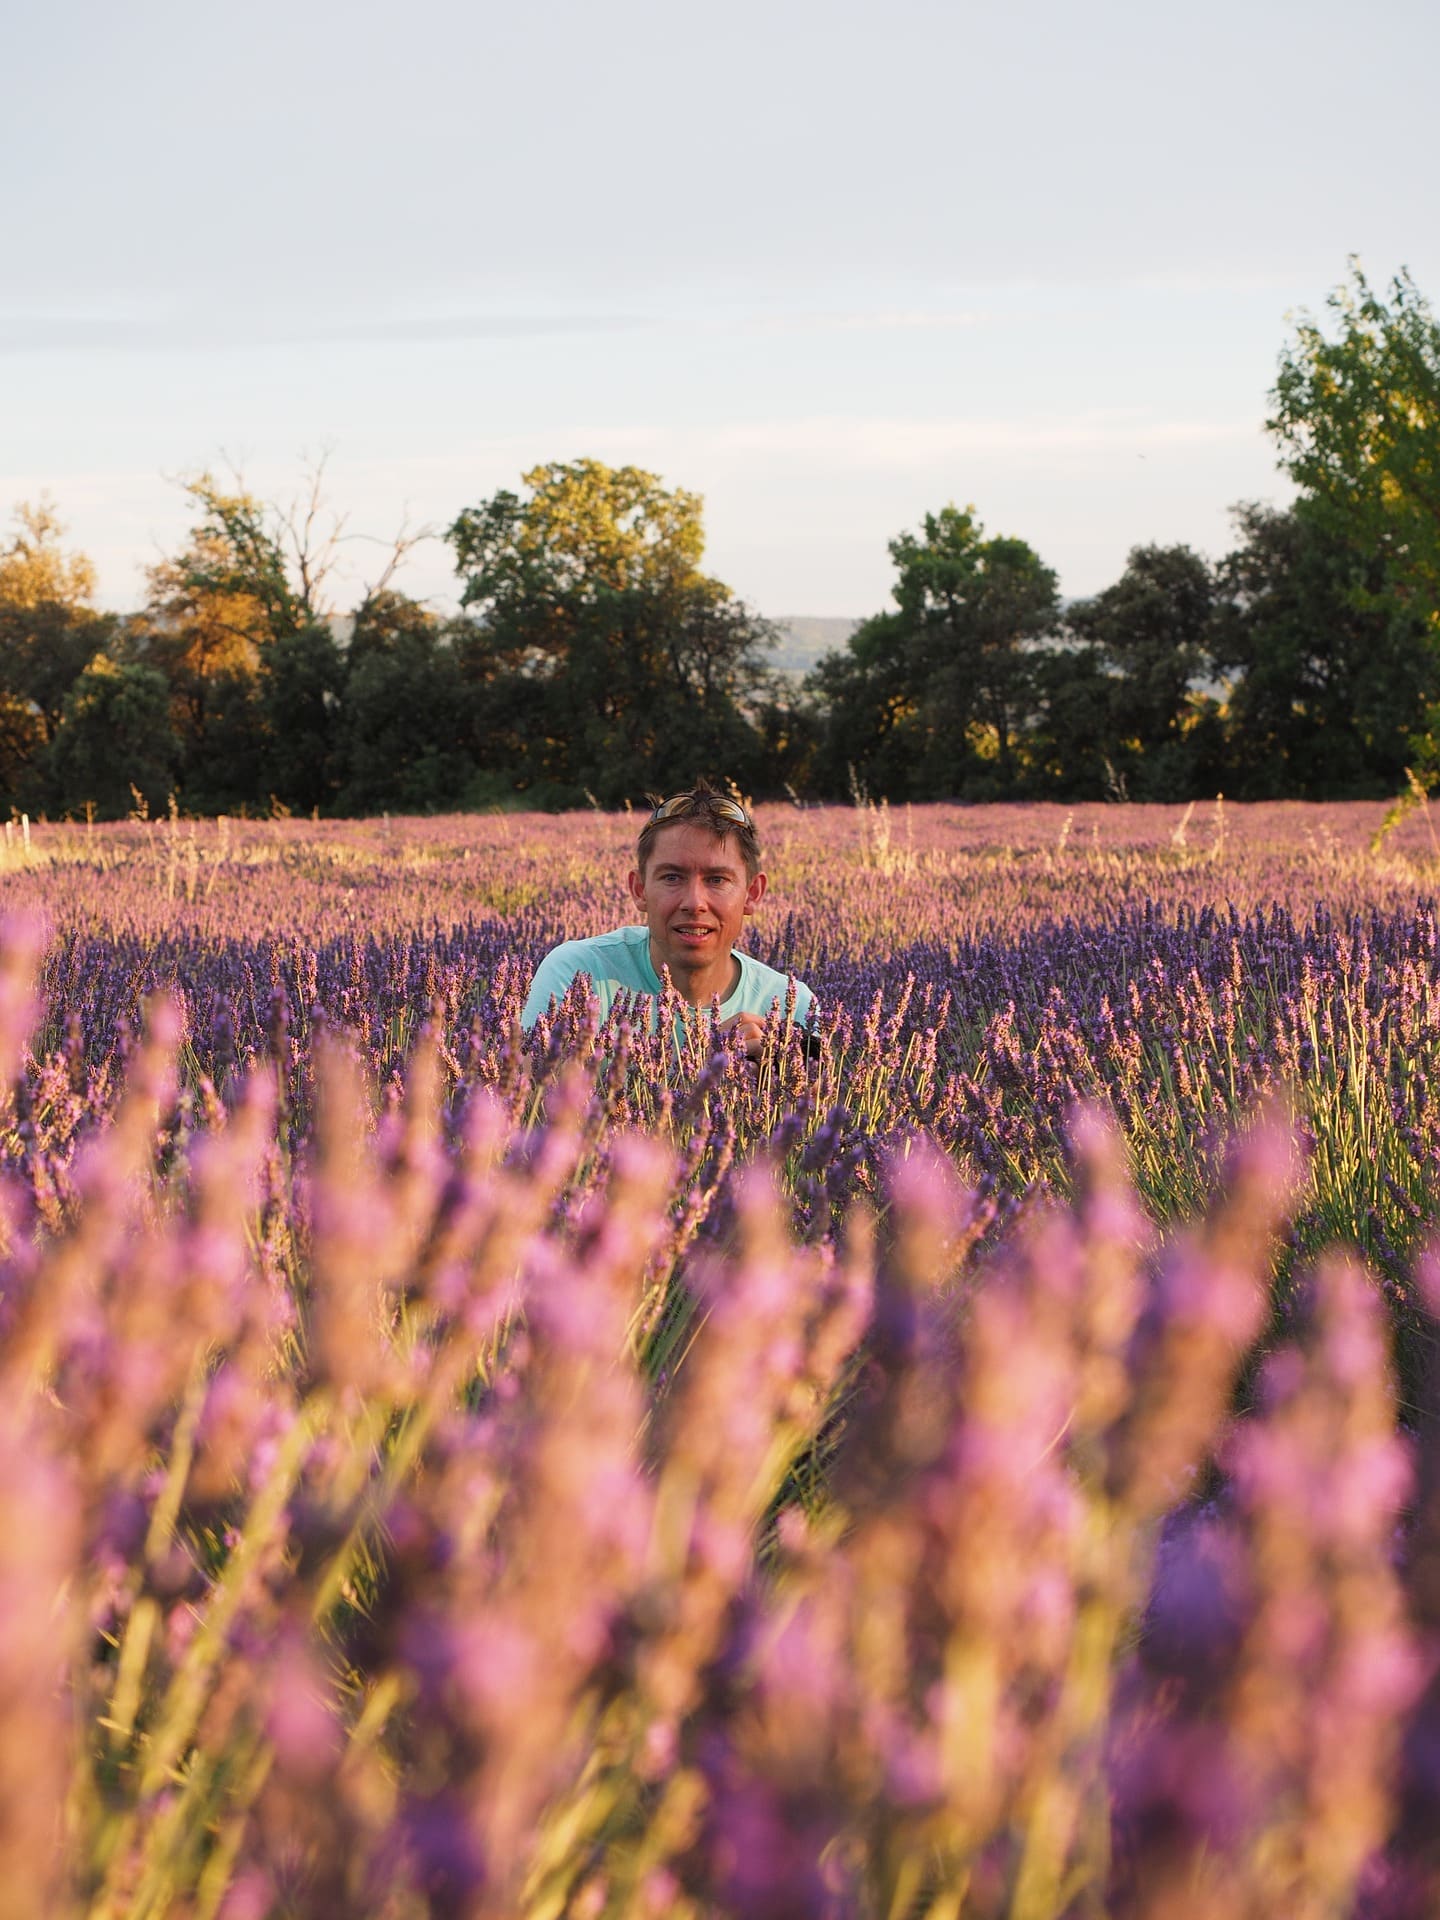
830, 265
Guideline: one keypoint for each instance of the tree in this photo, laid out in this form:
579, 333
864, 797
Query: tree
209, 620
302, 674
49, 631
788, 723
1329, 681
35, 570
1358, 420
972, 604
586, 529
1357, 416
609, 662
115, 739
239, 624
235, 558
869, 694
1150, 632
934, 698
407, 712
1070, 747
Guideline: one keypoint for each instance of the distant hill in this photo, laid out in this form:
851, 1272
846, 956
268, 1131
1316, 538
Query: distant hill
804, 639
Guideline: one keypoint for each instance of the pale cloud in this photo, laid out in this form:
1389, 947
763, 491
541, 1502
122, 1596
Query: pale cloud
882, 320
898, 442
507, 455
187, 330
128, 327
861, 440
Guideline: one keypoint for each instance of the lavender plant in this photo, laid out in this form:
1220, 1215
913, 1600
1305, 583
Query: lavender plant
448, 1474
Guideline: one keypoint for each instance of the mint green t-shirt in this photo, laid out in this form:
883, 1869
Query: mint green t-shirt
620, 962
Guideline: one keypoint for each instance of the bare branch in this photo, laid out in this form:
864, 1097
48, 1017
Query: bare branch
314, 549
398, 552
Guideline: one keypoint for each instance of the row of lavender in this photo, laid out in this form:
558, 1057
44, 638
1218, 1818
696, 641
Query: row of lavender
1176, 967
856, 878
559, 1478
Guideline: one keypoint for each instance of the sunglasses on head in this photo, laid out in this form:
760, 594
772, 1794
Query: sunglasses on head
720, 803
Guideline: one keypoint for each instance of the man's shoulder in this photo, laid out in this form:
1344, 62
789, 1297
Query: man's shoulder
620, 943
618, 956
609, 960
761, 985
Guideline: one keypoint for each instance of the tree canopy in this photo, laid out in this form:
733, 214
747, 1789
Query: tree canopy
1329, 684
49, 633
612, 665
1357, 414
930, 699
35, 569
1150, 632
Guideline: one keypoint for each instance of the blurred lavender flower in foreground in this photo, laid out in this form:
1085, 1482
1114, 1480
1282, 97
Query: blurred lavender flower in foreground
1256, 1756
450, 1474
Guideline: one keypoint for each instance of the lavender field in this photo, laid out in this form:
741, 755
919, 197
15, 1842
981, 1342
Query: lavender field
986, 1468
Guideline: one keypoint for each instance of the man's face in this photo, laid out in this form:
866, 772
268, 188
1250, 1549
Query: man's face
694, 895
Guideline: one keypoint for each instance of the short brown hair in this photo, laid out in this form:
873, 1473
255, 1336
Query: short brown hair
702, 805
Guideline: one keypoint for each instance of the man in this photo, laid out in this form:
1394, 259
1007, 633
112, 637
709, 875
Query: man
697, 878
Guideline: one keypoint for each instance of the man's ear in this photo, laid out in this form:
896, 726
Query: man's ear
637, 889
755, 892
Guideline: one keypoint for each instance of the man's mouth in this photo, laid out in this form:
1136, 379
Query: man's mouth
694, 933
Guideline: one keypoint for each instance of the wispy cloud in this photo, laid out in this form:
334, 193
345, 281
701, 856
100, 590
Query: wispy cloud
900, 442
878, 320
203, 331
127, 329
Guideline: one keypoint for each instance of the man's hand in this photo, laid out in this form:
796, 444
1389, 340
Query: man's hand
751, 1029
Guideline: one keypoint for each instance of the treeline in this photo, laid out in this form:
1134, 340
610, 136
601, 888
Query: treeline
594, 659
1283, 671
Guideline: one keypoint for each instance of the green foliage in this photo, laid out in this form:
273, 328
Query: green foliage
22, 745
971, 607
934, 699
866, 696
406, 712
44, 648
254, 672
1150, 632
235, 555
224, 749
35, 570
596, 660
1357, 416
605, 659
790, 728
115, 739
585, 530
48, 634
1069, 748
1329, 676
206, 649
299, 699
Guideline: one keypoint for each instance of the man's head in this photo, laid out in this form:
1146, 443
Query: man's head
703, 806
698, 877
